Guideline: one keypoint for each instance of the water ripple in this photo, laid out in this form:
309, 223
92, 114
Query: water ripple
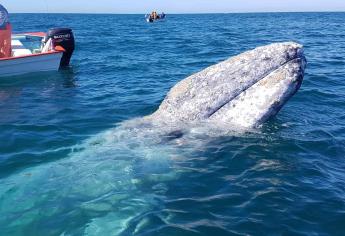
65, 169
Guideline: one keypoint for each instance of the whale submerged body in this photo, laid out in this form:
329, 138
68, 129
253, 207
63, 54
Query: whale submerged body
105, 180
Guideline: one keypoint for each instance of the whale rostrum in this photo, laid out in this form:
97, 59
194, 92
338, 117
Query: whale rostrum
245, 90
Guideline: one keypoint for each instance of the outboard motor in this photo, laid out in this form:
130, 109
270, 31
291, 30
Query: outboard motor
62, 37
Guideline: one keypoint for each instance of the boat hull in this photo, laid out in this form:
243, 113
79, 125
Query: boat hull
30, 64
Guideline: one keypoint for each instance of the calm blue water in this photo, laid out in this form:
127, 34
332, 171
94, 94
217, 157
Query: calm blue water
65, 170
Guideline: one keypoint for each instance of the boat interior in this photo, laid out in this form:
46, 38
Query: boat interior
27, 44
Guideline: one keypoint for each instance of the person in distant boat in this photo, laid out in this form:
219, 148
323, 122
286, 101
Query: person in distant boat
155, 16
5, 33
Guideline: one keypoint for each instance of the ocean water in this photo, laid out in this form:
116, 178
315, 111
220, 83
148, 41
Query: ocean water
69, 165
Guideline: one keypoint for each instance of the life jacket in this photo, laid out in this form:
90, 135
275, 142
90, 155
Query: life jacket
5, 33
5, 41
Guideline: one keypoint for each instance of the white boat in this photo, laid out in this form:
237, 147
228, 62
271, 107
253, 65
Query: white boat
37, 52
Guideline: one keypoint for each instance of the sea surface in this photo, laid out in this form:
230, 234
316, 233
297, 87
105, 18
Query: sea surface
68, 167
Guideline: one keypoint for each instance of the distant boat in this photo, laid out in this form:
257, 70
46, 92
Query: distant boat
155, 17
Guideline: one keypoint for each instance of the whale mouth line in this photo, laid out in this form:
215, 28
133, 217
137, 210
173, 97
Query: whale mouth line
298, 57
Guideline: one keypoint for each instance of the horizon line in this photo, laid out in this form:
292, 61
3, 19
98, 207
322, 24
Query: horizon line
183, 13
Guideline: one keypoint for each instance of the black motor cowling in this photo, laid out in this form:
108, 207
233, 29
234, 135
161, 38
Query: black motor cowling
63, 37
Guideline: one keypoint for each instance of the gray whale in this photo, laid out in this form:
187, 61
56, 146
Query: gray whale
112, 180
245, 90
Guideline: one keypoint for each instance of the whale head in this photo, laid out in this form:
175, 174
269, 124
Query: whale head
245, 90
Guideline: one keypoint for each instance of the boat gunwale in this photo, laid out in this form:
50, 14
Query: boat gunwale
37, 34
32, 55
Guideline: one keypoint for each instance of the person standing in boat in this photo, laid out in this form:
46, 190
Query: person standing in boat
5, 33
155, 16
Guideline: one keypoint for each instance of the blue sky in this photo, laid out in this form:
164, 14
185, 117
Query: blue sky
172, 6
